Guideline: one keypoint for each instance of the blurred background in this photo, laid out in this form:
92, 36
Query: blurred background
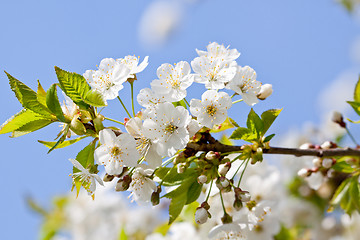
309, 51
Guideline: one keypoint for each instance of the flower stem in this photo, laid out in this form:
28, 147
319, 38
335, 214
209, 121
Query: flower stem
222, 202
187, 103
351, 136
207, 198
242, 174
238, 169
240, 100
124, 106
113, 120
132, 98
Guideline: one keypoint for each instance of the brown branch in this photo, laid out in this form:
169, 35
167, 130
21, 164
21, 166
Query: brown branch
297, 152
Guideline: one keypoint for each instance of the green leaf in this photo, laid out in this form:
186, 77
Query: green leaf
226, 140
355, 106
233, 122
243, 134
193, 192
18, 120
171, 177
74, 86
31, 127
268, 117
268, 138
180, 103
41, 94
28, 98
61, 139
340, 192
123, 235
63, 144
344, 167
357, 91
176, 205
86, 156
53, 103
95, 98
255, 124
227, 124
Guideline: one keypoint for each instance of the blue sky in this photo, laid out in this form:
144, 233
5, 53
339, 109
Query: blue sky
299, 46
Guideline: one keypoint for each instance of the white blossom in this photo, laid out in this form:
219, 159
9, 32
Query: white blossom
231, 231
116, 152
108, 79
245, 84
212, 108
145, 146
315, 180
168, 128
213, 73
201, 215
85, 177
149, 99
173, 81
215, 50
141, 185
132, 63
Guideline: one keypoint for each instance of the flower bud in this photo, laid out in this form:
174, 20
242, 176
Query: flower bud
211, 155
155, 198
224, 182
77, 127
201, 215
181, 167
303, 173
108, 178
306, 146
123, 184
338, 118
202, 179
327, 163
237, 204
265, 91
224, 168
317, 162
328, 145
330, 173
98, 122
245, 196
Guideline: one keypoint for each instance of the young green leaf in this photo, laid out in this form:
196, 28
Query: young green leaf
74, 85
18, 120
63, 144
268, 138
86, 156
95, 98
31, 127
176, 205
355, 106
28, 98
341, 192
41, 94
357, 91
243, 134
193, 192
255, 124
268, 117
53, 103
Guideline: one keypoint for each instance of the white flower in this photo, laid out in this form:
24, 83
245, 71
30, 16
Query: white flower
193, 127
132, 63
116, 152
231, 231
85, 177
264, 229
315, 180
168, 128
214, 50
148, 99
327, 163
173, 81
265, 91
212, 108
245, 84
213, 73
108, 79
141, 185
145, 146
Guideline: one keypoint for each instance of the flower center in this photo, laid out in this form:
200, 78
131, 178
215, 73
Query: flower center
170, 128
115, 151
211, 110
